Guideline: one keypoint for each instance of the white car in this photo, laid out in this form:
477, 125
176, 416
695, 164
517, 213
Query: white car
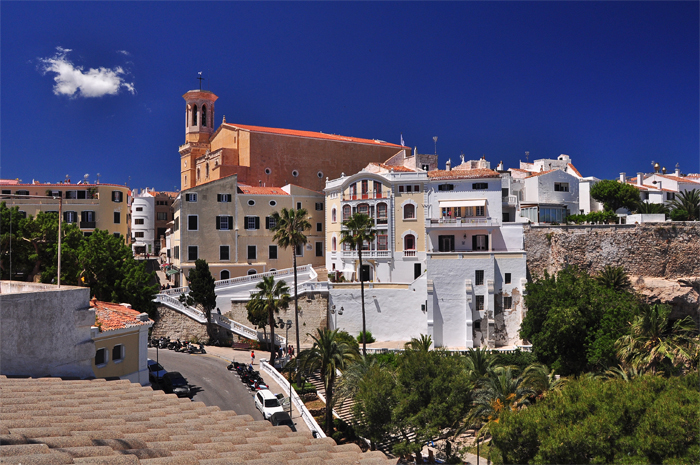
267, 403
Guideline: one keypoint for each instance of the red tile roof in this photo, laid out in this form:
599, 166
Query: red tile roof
242, 189
518, 169
399, 168
676, 178
463, 174
314, 135
110, 316
572, 168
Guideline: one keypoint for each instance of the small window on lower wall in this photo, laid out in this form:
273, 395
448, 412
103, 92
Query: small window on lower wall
101, 357
250, 272
477, 325
507, 302
480, 302
118, 353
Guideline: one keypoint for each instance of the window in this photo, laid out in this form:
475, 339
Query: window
377, 187
190, 197
176, 252
334, 244
347, 211
204, 115
192, 253
365, 188
8, 191
70, 217
273, 203
319, 249
381, 213
409, 212
409, 188
162, 216
138, 234
138, 220
82, 195
224, 275
416, 188
224, 252
101, 357
363, 208
507, 302
479, 277
272, 252
194, 115
268, 171
252, 222
319, 227
333, 215
192, 223
116, 196
446, 243
479, 211
644, 195
477, 325
409, 242
251, 202
224, 223
298, 205
270, 222
69, 194
504, 192
561, 187
295, 173
87, 234
139, 209
506, 217
223, 197
252, 252
319, 206
382, 242
252, 271
87, 217
480, 185
670, 196
480, 242
506, 279
118, 353
299, 250
176, 224
319, 174
161, 202
425, 167
118, 235
401, 189
480, 302
353, 191
446, 187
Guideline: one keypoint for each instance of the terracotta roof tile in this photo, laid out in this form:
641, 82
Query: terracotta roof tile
110, 316
314, 135
242, 189
676, 178
398, 168
463, 174
572, 168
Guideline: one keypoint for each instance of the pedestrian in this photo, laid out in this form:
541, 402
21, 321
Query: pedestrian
252, 357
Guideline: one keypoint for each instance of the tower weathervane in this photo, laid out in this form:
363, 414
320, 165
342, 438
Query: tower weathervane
200, 80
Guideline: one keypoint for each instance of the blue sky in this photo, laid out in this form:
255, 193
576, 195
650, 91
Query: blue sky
614, 85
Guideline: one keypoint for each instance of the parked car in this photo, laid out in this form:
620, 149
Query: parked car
267, 403
282, 419
174, 382
155, 372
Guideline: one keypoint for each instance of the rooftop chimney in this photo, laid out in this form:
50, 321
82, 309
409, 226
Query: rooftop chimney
678, 170
640, 179
623, 178
448, 165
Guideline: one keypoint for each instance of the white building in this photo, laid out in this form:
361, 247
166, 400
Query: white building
143, 223
659, 187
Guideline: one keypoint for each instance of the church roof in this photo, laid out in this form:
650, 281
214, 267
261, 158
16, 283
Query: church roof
313, 135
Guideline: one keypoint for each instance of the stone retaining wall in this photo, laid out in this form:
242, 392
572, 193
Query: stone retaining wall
175, 325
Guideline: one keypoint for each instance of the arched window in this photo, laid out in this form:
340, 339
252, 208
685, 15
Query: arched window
198, 175
204, 115
409, 242
333, 215
334, 244
250, 272
225, 274
347, 211
207, 169
409, 212
194, 115
381, 213
363, 208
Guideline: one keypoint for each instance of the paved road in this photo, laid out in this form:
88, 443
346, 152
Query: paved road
210, 381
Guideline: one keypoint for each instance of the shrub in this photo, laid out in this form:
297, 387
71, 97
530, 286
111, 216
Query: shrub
367, 337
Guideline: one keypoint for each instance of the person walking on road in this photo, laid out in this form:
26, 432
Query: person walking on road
252, 357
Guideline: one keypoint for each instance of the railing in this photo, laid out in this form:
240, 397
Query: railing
179, 306
367, 195
409, 253
459, 222
367, 253
175, 291
257, 276
236, 327
284, 384
510, 199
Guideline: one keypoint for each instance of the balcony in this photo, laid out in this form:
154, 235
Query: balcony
460, 222
409, 253
367, 254
367, 196
510, 200
87, 224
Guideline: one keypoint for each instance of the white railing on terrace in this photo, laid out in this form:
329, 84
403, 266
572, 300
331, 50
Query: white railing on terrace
510, 199
409, 253
367, 253
175, 291
236, 327
459, 222
284, 384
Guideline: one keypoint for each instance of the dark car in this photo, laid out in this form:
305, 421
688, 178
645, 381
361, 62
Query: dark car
282, 419
174, 382
155, 372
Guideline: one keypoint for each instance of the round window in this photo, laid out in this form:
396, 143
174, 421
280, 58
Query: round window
295, 173
319, 174
251, 202
268, 171
273, 203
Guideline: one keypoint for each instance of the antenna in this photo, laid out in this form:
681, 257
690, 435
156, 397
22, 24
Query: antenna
85, 178
435, 140
527, 157
98, 178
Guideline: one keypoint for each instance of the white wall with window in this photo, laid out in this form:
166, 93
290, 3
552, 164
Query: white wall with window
143, 223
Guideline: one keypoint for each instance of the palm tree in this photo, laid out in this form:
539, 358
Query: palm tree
359, 231
614, 277
688, 201
327, 355
289, 232
479, 364
420, 344
654, 344
271, 296
646, 207
542, 379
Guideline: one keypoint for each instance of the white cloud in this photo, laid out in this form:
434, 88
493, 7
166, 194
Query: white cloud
73, 81
124, 52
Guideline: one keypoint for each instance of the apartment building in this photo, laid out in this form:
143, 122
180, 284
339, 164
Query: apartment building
230, 226
90, 206
151, 211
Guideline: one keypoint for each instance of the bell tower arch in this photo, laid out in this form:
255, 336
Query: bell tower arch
199, 126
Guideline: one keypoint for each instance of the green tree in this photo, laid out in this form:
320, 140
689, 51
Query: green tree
646, 207
573, 321
202, 291
257, 314
614, 195
614, 277
420, 343
358, 232
374, 403
655, 344
646, 420
289, 232
271, 298
327, 355
689, 202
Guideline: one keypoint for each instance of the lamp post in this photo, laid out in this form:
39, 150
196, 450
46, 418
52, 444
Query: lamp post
289, 325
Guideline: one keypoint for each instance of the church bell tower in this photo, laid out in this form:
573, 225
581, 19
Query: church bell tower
199, 126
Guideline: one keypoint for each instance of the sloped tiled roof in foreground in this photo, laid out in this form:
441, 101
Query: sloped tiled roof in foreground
54, 421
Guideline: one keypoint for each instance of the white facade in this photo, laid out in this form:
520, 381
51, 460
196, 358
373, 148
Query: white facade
586, 203
549, 196
143, 223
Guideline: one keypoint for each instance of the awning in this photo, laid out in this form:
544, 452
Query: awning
462, 203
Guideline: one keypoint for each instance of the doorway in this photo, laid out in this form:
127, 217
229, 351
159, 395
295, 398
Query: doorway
366, 273
446, 243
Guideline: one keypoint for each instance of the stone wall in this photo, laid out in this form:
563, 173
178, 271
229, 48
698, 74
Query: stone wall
665, 250
313, 314
175, 325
